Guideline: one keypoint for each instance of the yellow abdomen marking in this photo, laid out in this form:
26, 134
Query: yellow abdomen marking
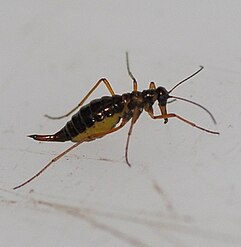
99, 127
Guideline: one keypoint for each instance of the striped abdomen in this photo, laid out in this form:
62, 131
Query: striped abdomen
98, 116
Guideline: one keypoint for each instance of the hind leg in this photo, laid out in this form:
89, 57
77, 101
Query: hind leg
102, 80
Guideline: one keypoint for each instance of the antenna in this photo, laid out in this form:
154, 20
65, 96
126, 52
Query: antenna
190, 76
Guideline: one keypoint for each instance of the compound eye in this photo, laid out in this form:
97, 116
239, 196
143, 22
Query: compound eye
162, 91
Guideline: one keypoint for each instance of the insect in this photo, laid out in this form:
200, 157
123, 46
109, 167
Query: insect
110, 113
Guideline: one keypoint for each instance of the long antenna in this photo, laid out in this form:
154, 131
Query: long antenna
179, 83
194, 103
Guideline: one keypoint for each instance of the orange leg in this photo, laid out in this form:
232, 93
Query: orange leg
171, 115
152, 85
68, 150
46, 166
163, 109
103, 80
136, 115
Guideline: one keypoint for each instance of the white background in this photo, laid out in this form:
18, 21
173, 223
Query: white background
184, 187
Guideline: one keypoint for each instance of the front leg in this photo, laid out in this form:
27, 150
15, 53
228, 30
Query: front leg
163, 110
173, 115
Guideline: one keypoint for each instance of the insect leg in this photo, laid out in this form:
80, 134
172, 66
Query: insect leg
136, 115
92, 137
152, 85
49, 164
135, 85
102, 80
171, 115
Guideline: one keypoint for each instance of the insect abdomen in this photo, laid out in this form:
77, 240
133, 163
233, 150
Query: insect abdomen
98, 116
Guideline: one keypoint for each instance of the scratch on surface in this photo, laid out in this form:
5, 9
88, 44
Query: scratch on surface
166, 229
101, 226
172, 212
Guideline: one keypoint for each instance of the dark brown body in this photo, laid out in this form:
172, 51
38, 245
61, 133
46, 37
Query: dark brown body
102, 115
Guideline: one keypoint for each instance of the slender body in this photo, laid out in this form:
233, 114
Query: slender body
110, 113
102, 115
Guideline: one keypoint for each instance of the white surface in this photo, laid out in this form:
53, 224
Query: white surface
184, 185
